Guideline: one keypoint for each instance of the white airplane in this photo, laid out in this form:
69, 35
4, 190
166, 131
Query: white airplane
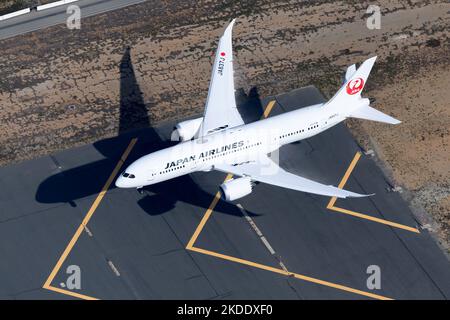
220, 140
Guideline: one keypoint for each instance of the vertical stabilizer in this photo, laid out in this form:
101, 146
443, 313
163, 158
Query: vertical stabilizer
348, 101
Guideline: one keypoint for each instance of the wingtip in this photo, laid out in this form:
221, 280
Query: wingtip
230, 26
394, 121
358, 195
371, 60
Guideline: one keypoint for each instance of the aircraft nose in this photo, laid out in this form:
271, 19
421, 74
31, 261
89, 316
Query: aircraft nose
120, 183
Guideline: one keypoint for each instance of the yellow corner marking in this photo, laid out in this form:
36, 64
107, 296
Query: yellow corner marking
98, 199
70, 293
206, 216
341, 185
295, 275
345, 178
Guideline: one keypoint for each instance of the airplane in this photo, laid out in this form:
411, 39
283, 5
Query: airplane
221, 141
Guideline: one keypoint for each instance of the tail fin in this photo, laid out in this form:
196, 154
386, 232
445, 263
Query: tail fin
350, 71
348, 102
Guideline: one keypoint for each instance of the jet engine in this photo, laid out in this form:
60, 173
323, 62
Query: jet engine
236, 188
186, 130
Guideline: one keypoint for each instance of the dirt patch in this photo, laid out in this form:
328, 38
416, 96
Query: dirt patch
8, 6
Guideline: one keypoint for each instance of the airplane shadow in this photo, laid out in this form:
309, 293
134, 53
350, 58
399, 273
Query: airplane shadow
86, 180
249, 104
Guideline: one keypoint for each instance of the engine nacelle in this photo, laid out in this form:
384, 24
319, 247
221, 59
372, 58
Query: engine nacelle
186, 130
236, 188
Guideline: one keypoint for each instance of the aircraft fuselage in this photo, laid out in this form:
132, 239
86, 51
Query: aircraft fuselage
235, 145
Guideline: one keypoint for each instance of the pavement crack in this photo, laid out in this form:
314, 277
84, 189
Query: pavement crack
191, 257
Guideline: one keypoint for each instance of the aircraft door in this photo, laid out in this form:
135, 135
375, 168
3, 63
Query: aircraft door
193, 165
324, 123
151, 175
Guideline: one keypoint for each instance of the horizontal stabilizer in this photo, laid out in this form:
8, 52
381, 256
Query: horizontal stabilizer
369, 113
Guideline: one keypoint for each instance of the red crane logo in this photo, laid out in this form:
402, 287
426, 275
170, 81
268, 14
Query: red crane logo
355, 85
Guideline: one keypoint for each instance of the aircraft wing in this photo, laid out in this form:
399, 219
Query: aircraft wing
269, 172
220, 110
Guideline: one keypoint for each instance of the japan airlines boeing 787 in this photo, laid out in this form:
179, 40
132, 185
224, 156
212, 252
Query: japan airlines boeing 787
221, 141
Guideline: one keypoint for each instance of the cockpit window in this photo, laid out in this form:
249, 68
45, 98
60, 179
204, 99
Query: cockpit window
128, 175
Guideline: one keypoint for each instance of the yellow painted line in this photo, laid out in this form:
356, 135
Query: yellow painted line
206, 216
345, 177
70, 293
341, 185
382, 221
98, 199
241, 261
268, 109
341, 287
296, 275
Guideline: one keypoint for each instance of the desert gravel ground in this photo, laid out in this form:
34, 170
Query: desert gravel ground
60, 88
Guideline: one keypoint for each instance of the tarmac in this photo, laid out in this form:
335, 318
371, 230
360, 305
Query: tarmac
178, 240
